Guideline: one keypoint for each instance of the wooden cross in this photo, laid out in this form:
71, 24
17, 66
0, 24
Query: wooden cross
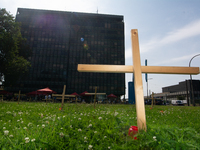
95, 95
138, 70
63, 96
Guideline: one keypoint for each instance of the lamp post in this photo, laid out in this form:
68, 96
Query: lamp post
191, 86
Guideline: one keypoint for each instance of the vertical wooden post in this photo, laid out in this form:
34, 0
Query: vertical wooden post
95, 96
19, 96
140, 108
152, 100
63, 97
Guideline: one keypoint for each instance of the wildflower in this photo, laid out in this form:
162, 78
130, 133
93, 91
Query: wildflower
38, 125
116, 113
70, 126
105, 137
11, 136
100, 118
29, 124
154, 138
90, 125
95, 131
58, 118
61, 134
41, 115
85, 138
79, 118
18, 120
22, 122
90, 147
4, 128
81, 114
27, 139
79, 130
32, 140
63, 116
60, 108
108, 147
25, 128
43, 126
6, 132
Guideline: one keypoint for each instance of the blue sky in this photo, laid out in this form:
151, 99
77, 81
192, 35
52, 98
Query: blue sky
169, 30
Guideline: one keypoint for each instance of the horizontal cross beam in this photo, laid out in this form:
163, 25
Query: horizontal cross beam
64, 95
95, 93
144, 69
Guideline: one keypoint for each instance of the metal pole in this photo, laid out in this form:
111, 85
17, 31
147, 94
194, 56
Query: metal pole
191, 80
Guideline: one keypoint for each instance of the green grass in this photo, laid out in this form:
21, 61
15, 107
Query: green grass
80, 126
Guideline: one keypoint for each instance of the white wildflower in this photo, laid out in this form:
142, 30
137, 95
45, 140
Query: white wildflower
43, 126
11, 136
116, 113
90, 125
154, 138
90, 147
100, 118
32, 140
108, 147
105, 137
4, 128
6, 132
27, 139
61, 134
79, 118
25, 128
95, 131
70, 126
79, 130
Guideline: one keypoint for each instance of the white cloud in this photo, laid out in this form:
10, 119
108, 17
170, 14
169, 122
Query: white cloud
190, 30
177, 59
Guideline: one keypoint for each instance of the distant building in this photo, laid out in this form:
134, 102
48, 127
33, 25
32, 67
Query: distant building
183, 89
62, 40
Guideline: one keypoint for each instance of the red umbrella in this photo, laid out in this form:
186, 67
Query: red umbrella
83, 94
112, 96
4, 92
74, 94
45, 91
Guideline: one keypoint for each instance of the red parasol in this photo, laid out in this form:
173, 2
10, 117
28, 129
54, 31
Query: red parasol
5, 92
74, 94
83, 94
46, 91
112, 96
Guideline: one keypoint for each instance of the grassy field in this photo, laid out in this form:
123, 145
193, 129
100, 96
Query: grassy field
80, 126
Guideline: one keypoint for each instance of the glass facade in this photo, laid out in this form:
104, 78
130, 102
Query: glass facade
62, 40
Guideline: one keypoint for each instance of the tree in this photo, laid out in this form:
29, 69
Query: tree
14, 51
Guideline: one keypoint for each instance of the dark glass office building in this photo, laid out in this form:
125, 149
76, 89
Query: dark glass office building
61, 40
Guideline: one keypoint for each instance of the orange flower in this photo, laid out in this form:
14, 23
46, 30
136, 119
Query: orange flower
60, 108
161, 111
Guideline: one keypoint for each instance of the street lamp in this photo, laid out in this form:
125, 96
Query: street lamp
191, 86
147, 85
